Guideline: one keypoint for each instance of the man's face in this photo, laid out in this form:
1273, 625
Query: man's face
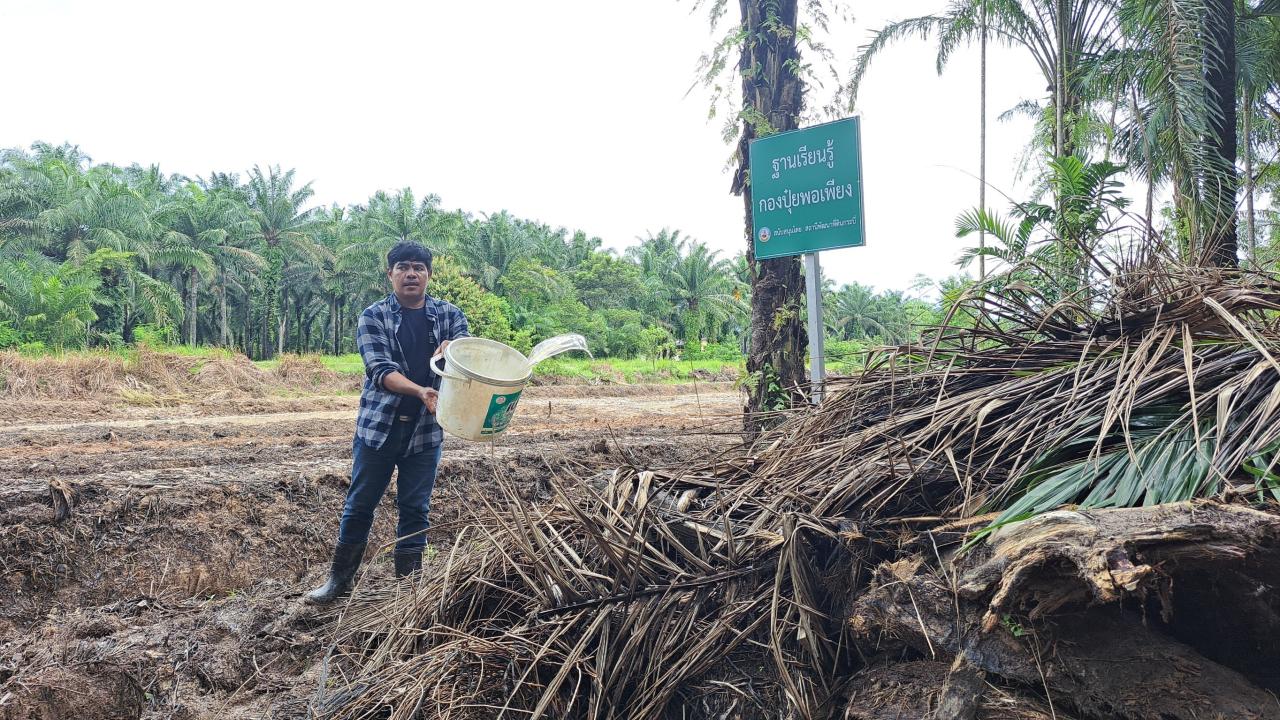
409, 279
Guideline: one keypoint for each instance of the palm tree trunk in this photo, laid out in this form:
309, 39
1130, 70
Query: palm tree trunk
1220, 187
771, 88
193, 282
1060, 84
1151, 197
982, 146
265, 328
1251, 238
1067, 249
284, 321
1111, 124
298, 327
337, 325
222, 317
272, 282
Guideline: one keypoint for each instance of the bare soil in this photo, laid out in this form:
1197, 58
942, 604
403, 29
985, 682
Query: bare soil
152, 555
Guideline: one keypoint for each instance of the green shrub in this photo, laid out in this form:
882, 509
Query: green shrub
155, 335
724, 352
9, 337
845, 356
487, 314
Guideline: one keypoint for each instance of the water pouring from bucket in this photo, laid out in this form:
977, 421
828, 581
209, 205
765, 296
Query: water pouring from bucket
481, 381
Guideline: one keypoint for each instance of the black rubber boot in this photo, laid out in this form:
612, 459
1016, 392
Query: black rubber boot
408, 563
346, 560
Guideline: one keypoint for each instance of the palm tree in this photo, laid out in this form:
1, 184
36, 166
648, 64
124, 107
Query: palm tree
1258, 54
1183, 72
20, 232
56, 306
280, 222
581, 249
71, 211
205, 236
854, 313
126, 296
1058, 34
389, 219
493, 246
546, 245
772, 77
94, 221
702, 289
657, 254
1089, 207
772, 99
59, 303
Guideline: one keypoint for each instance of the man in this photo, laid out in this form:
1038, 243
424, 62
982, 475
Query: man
397, 336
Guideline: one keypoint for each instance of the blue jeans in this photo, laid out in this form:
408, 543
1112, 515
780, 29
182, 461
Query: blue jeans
370, 475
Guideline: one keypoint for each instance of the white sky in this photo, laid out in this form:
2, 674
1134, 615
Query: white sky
570, 112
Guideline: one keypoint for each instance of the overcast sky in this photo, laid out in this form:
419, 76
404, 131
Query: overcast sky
569, 112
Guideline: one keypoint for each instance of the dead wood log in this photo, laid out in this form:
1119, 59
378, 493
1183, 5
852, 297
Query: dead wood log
960, 694
1102, 664
1205, 571
914, 690
63, 495
1063, 558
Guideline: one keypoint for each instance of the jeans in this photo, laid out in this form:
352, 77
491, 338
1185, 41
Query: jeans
370, 474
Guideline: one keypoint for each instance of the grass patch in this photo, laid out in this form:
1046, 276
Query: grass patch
579, 370
636, 370
842, 358
349, 364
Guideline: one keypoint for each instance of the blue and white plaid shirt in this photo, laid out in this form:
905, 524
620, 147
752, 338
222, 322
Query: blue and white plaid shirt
380, 350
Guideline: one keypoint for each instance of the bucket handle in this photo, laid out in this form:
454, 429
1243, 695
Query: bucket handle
438, 367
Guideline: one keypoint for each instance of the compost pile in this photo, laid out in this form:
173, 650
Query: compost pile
1049, 509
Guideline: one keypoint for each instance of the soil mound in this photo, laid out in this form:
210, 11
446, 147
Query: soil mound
150, 377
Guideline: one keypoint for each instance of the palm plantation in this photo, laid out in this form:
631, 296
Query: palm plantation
1134, 89
91, 252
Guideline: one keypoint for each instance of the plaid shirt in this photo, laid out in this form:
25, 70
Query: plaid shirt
380, 350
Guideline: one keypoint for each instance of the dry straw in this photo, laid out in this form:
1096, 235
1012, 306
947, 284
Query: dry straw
724, 587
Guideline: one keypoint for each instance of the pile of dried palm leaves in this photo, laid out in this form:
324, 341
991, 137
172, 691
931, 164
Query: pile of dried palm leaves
873, 558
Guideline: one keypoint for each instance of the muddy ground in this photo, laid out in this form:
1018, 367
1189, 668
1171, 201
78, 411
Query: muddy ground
152, 556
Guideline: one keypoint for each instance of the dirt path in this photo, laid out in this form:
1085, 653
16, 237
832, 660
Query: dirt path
539, 408
154, 556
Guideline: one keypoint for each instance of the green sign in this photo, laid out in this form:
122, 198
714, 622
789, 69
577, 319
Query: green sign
806, 190
501, 408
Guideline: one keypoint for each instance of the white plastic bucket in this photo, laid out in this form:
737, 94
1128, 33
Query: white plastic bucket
480, 384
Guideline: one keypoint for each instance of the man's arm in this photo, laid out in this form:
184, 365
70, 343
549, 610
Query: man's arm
398, 383
375, 349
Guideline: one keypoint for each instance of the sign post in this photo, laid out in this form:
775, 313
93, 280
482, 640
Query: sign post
817, 358
806, 196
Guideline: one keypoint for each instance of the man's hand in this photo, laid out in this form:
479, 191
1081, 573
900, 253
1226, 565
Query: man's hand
440, 350
429, 396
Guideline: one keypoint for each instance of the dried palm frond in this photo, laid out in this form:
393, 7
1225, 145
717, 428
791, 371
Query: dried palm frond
720, 588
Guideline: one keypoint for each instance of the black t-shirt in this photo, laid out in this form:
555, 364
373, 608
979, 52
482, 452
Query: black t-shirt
418, 343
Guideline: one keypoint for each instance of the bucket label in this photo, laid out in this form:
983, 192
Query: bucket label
501, 408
